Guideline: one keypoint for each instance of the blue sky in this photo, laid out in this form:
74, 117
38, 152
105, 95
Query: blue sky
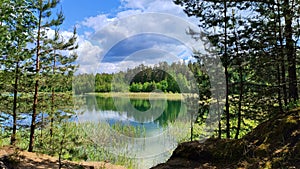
111, 31
76, 11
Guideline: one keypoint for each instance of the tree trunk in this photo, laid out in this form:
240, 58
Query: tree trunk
33, 123
36, 87
240, 103
52, 102
279, 60
226, 76
282, 61
283, 71
279, 88
292, 75
220, 129
14, 131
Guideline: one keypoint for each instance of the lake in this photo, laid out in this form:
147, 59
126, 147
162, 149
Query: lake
144, 129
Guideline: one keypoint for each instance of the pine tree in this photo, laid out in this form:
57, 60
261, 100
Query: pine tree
261, 53
43, 50
19, 22
217, 24
62, 68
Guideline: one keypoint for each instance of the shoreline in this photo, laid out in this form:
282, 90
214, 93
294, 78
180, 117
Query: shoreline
141, 95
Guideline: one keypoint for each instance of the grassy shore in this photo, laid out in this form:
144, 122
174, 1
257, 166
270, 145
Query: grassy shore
169, 96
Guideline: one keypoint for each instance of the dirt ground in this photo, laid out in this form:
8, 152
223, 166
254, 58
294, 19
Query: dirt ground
274, 143
14, 158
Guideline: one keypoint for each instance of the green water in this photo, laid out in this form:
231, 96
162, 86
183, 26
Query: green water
140, 111
147, 130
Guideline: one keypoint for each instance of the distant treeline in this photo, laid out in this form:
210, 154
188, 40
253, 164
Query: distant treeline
177, 77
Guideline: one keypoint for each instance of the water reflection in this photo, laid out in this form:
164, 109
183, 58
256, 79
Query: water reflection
161, 114
148, 130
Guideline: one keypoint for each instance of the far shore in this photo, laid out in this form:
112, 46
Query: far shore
142, 95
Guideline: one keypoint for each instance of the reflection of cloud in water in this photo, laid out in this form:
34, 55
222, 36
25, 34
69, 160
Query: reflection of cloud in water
113, 117
96, 116
156, 136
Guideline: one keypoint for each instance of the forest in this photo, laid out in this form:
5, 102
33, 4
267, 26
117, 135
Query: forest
162, 76
257, 42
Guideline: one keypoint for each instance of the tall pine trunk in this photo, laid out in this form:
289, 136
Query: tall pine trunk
290, 53
283, 71
226, 75
240, 103
52, 100
14, 131
36, 87
282, 80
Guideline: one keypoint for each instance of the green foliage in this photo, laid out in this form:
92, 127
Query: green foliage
36, 69
151, 86
130, 131
65, 142
175, 78
83, 83
16, 57
258, 52
103, 82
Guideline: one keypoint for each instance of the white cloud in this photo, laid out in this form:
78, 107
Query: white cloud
149, 57
126, 13
153, 6
97, 22
88, 56
116, 67
135, 17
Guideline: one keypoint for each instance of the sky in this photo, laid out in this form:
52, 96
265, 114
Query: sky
114, 35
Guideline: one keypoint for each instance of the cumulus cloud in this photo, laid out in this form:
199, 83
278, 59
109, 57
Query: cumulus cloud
89, 56
166, 6
97, 22
143, 17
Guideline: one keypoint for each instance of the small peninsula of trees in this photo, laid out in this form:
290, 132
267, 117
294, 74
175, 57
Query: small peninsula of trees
143, 78
164, 77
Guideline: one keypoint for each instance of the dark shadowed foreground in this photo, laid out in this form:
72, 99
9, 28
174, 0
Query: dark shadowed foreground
273, 144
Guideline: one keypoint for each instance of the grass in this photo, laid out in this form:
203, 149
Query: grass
95, 139
141, 95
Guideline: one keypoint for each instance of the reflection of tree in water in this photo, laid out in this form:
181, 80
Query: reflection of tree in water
99, 103
141, 110
151, 109
141, 104
105, 103
90, 103
170, 114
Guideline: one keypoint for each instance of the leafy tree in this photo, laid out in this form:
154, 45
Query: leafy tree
103, 82
136, 87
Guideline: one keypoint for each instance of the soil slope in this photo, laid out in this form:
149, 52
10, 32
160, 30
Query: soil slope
14, 158
272, 144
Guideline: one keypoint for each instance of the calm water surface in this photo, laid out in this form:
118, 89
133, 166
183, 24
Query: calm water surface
147, 130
